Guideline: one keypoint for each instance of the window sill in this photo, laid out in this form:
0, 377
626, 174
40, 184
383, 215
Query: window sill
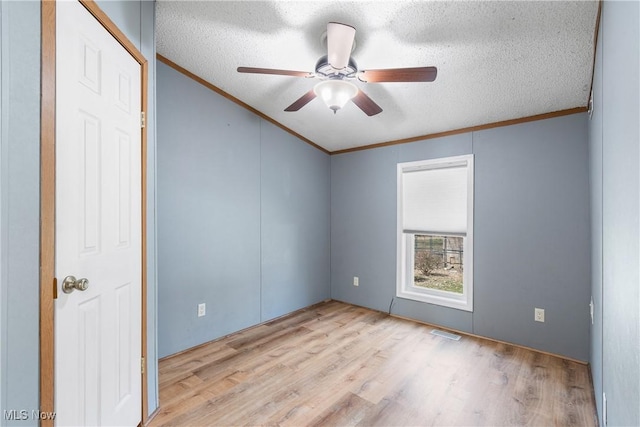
441, 298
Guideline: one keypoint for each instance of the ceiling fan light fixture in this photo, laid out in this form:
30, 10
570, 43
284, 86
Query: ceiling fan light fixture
335, 93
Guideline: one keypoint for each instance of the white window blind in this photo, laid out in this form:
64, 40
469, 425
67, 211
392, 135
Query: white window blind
434, 201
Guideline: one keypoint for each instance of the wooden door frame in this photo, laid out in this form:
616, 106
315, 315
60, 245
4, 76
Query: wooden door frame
48, 283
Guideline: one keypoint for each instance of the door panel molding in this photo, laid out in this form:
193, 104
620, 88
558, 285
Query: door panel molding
47, 198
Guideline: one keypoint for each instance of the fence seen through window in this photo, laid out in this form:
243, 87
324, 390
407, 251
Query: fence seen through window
439, 262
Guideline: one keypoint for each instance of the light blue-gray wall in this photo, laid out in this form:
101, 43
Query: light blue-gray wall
19, 207
3, 296
243, 217
295, 223
19, 194
532, 235
615, 186
531, 225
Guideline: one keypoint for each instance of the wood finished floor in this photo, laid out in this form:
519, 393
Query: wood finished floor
335, 364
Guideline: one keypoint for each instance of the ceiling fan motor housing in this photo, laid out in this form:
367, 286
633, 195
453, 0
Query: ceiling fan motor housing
325, 70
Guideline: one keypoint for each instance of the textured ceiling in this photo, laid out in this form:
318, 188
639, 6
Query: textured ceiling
496, 60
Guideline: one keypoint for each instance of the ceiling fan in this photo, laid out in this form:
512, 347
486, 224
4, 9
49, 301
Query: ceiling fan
337, 69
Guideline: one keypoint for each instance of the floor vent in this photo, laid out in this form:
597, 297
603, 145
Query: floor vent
446, 335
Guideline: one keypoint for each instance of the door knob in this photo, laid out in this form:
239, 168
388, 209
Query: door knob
70, 284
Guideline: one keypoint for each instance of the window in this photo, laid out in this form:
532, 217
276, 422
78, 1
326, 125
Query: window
435, 231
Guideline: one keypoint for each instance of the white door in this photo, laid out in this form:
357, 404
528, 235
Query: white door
98, 224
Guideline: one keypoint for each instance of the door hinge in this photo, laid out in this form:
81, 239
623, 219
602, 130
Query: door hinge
142, 119
55, 288
142, 366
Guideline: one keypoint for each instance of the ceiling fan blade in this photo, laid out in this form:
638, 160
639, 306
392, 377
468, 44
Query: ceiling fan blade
417, 74
366, 104
339, 43
274, 71
302, 101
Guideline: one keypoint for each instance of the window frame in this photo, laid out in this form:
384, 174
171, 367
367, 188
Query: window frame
405, 287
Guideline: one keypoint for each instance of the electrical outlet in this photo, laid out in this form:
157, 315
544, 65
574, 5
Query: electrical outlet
356, 281
539, 314
591, 308
202, 309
